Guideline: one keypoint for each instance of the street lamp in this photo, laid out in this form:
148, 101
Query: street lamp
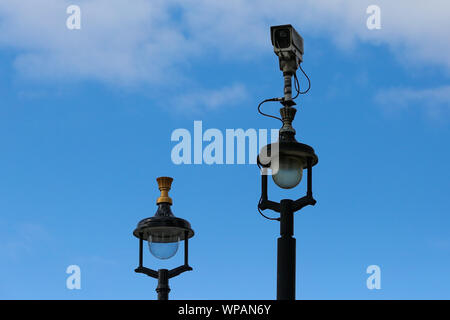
287, 159
163, 232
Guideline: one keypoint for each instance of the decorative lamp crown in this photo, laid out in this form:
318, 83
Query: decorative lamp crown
164, 185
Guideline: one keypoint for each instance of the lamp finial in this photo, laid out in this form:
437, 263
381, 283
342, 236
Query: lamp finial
164, 185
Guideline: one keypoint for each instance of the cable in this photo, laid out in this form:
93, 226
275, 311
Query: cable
309, 81
296, 86
259, 202
268, 115
259, 210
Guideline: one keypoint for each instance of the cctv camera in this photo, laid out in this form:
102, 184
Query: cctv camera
288, 46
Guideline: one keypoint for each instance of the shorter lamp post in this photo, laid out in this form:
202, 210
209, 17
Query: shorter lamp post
163, 232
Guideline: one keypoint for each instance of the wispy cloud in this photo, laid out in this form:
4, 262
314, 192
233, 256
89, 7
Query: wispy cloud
152, 42
118, 42
22, 239
211, 99
434, 101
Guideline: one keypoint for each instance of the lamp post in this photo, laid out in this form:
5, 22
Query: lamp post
289, 162
163, 232
287, 159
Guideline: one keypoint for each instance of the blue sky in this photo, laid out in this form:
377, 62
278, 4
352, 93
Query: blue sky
86, 118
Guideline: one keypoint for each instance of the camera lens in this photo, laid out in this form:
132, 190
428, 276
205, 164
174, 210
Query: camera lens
282, 38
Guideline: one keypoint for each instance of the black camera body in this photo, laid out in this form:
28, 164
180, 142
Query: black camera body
288, 46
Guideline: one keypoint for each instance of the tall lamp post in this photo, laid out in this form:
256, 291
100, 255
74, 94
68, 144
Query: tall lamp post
163, 232
287, 159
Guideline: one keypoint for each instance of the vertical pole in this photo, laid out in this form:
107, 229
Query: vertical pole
163, 284
186, 248
141, 250
286, 253
287, 86
309, 184
264, 185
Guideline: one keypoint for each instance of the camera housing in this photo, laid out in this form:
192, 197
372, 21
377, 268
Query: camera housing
288, 46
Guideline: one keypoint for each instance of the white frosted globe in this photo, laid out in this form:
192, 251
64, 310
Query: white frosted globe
162, 250
287, 172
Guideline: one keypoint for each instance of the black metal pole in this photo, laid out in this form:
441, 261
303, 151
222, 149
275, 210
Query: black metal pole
286, 253
186, 248
163, 288
141, 253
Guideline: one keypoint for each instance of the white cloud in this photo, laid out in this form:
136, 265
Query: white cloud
21, 239
211, 99
416, 31
435, 101
153, 42
118, 42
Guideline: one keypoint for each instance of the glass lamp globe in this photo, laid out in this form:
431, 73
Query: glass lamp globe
162, 250
287, 171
